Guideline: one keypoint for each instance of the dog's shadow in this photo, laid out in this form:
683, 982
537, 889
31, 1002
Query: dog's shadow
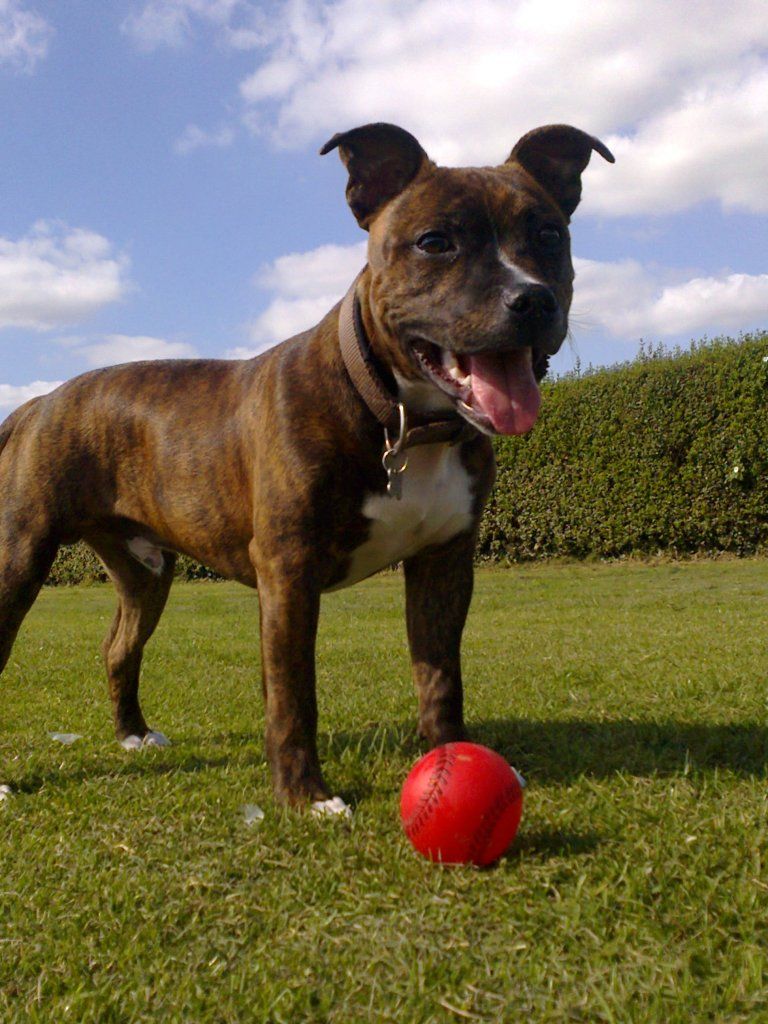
551, 752
134, 765
560, 752
563, 751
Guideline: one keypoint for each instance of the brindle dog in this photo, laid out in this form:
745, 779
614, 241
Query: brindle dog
269, 470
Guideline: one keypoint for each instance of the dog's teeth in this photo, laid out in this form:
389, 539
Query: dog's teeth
452, 368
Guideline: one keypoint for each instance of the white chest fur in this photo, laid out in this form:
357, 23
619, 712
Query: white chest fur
436, 504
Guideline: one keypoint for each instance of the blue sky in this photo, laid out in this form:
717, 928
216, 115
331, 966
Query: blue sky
162, 193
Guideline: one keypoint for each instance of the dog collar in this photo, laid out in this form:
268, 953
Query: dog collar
408, 430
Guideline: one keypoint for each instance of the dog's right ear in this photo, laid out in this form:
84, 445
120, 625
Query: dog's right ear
381, 159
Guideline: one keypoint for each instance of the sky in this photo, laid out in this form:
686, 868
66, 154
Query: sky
162, 196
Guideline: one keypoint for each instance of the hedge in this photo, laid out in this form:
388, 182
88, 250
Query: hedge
668, 454
76, 563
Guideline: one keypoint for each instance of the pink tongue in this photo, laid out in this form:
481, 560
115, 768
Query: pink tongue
505, 389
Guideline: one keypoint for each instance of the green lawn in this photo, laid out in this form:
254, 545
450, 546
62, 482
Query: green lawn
633, 699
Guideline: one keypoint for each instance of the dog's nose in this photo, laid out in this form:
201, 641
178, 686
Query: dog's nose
532, 302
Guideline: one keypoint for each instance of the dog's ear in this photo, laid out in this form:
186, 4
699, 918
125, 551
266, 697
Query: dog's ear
555, 156
381, 159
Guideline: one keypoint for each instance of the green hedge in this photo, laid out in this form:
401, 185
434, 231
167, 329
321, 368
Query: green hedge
667, 454
76, 563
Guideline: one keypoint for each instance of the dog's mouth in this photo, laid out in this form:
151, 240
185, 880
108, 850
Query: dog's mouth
495, 391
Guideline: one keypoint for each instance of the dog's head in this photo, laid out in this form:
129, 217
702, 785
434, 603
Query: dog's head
471, 273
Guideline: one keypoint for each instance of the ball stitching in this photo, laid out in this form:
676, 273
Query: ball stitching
431, 797
491, 819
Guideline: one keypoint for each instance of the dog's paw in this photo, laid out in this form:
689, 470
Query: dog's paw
5, 793
156, 739
333, 808
151, 739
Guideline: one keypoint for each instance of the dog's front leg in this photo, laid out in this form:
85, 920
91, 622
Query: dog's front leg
290, 605
438, 588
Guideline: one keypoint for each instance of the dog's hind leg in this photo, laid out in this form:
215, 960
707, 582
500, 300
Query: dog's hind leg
24, 564
28, 546
142, 590
25, 561
28, 534
27, 551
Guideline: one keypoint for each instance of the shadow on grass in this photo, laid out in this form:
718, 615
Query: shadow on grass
62, 777
549, 751
562, 751
547, 843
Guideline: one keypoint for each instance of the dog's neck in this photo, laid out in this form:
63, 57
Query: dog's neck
413, 404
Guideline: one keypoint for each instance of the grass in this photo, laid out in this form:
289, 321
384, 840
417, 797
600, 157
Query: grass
633, 698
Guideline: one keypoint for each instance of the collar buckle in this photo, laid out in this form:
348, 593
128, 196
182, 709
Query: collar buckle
395, 457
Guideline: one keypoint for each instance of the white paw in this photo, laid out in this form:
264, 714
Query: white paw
5, 793
156, 739
335, 807
152, 739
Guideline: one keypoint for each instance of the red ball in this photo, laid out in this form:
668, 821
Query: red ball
461, 804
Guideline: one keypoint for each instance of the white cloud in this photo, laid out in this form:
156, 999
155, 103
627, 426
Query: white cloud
193, 138
678, 89
158, 24
24, 36
57, 275
244, 352
12, 396
730, 302
127, 348
712, 145
631, 301
240, 24
304, 287
316, 273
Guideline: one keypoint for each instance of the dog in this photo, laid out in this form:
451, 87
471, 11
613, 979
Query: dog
360, 443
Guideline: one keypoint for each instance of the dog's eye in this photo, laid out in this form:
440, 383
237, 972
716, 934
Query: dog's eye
550, 238
434, 243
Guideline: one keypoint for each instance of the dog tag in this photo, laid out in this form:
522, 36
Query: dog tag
395, 458
395, 486
394, 463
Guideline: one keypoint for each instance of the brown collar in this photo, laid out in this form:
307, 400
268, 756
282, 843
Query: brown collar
409, 430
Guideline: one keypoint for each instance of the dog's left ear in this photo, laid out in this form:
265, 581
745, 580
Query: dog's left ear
555, 156
381, 159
